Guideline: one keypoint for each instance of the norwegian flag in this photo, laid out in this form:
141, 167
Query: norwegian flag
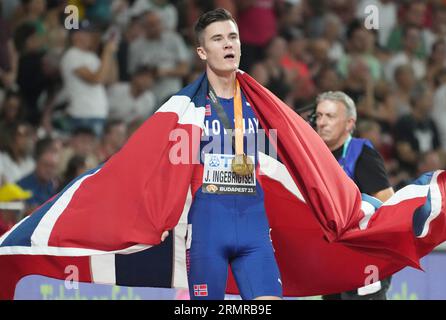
325, 234
200, 290
208, 110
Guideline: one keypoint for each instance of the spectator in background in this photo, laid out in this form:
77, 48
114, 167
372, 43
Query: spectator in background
57, 36
115, 135
439, 108
43, 181
11, 112
314, 12
414, 14
385, 111
84, 75
165, 51
344, 9
436, 61
57, 33
132, 100
277, 78
371, 130
319, 49
83, 143
31, 77
55, 10
429, 161
17, 160
335, 123
55, 98
257, 23
377, 103
8, 56
360, 48
165, 10
296, 60
133, 31
359, 84
77, 165
327, 79
416, 132
120, 11
32, 12
411, 41
437, 32
11, 108
332, 34
405, 83
290, 17
297, 47
98, 11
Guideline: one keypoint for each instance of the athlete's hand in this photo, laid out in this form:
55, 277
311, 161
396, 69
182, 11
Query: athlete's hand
164, 235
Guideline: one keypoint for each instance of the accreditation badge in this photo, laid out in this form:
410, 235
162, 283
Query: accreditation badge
218, 177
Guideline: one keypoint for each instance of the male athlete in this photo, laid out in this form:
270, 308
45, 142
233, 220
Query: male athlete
227, 220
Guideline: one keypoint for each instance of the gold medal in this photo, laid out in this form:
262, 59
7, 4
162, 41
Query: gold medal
242, 165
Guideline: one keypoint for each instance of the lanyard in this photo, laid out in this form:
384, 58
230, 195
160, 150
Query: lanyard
346, 144
238, 121
344, 151
238, 116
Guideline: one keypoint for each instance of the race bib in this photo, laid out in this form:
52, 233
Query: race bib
218, 177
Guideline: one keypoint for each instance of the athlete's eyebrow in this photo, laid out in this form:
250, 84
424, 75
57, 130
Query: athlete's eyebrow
220, 35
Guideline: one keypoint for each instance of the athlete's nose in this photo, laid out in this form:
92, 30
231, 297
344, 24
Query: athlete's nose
228, 44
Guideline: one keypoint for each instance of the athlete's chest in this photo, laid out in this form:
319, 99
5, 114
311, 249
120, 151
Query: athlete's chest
213, 124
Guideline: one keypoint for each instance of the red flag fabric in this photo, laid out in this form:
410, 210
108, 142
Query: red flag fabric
326, 236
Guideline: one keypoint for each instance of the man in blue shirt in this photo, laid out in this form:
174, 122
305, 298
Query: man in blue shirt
335, 123
42, 182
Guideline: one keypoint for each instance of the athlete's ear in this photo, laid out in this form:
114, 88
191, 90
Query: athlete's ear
201, 53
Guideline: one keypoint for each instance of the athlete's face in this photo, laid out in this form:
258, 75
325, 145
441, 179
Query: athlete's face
332, 123
220, 47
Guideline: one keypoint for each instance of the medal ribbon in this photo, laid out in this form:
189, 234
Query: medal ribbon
238, 120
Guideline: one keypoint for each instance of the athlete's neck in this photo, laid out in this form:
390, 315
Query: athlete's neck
223, 84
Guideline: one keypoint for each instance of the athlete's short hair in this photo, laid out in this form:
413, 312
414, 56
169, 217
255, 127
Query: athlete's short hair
209, 17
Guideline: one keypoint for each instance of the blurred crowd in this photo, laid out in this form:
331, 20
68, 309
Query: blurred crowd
73, 91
